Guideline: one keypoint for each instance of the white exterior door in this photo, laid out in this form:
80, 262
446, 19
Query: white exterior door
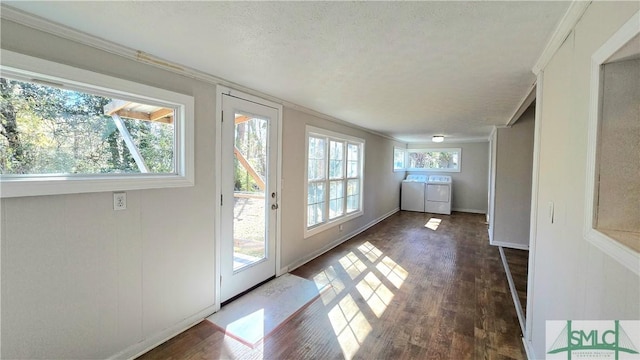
249, 200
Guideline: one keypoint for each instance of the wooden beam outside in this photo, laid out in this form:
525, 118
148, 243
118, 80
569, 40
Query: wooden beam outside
241, 119
162, 113
256, 177
142, 116
115, 106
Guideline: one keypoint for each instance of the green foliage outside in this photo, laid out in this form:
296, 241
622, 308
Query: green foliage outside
251, 141
49, 130
433, 160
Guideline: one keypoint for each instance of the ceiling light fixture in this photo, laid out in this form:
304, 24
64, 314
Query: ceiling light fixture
437, 138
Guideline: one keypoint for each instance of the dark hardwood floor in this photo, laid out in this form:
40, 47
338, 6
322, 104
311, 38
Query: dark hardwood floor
400, 290
518, 261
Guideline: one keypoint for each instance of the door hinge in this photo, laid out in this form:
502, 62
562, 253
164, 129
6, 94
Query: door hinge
222, 112
220, 280
221, 197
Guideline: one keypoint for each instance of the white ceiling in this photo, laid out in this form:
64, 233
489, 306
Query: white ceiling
405, 69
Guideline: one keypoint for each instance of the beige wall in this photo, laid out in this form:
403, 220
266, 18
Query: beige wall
514, 166
572, 278
470, 185
381, 187
82, 281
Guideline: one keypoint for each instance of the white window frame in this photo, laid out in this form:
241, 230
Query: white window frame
621, 253
330, 135
28, 68
458, 150
404, 158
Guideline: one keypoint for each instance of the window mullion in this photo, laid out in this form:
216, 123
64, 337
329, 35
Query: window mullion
327, 181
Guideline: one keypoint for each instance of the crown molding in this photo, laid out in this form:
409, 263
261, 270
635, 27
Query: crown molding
524, 105
565, 26
38, 23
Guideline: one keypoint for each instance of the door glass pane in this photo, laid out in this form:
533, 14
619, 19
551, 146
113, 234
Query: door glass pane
250, 174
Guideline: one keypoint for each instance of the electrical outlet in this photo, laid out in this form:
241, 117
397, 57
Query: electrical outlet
119, 201
340, 227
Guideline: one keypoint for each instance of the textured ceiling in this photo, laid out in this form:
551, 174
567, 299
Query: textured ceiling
409, 70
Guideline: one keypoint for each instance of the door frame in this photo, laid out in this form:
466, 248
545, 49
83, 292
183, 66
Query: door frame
220, 91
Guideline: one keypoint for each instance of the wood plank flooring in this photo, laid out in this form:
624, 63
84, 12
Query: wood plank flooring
400, 290
518, 261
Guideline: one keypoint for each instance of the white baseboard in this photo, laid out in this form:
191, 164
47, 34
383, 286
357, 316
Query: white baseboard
509, 245
473, 211
331, 245
145, 345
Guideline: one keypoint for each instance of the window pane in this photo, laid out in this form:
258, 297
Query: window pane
353, 195
49, 130
398, 159
315, 203
336, 199
336, 159
316, 158
434, 159
352, 160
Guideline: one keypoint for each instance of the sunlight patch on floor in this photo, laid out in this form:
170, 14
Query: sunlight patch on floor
350, 325
375, 293
371, 252
328, 277
395, 273
352, 265
433, 224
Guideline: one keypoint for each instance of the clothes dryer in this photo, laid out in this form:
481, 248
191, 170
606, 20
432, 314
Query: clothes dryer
438, 194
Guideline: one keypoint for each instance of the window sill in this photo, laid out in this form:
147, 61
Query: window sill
21, 187
435, 170
620, 252
318, 229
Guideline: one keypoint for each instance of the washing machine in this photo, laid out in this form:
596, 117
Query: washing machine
438, 194
413, 193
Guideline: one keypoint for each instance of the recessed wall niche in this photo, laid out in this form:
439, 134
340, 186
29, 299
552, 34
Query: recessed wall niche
618, 153
612, 211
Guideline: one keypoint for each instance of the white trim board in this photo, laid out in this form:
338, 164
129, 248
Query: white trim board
524, 105
528, 349
565, 26
513, 290
535, 176
473, 211
509, 245
65, 32
296, 264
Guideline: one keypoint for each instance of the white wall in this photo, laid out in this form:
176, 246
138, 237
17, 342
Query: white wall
82, 281
514, 166
470, 185
572, 279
